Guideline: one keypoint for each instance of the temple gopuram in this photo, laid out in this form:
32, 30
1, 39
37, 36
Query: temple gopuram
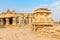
38, 19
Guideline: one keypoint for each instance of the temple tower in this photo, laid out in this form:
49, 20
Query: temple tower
42, 18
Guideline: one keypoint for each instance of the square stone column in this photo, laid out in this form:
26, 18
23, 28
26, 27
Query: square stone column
19, 20
7, 21
30, 20
1, 21
14, 21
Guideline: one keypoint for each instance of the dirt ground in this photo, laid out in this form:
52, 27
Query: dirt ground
26, 33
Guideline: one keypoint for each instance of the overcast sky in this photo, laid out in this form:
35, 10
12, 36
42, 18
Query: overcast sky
28, 6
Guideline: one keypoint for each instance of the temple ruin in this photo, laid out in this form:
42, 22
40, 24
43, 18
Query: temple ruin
42, 18
39, 18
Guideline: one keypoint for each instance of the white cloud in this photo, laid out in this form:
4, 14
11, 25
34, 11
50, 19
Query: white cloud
55, 7
55, 4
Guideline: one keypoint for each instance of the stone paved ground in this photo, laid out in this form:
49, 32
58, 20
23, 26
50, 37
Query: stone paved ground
24, 33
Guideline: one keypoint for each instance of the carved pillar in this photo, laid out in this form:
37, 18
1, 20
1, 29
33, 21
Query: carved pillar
1, 21
35, 28
7, 21
14, 21
19, 20
30, 20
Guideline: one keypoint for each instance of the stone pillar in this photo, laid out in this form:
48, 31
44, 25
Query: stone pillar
7, 21
19, 20
1, 21
30, 20
14, 21
35, 28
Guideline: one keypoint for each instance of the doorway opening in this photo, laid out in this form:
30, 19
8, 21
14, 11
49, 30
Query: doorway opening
10, 20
